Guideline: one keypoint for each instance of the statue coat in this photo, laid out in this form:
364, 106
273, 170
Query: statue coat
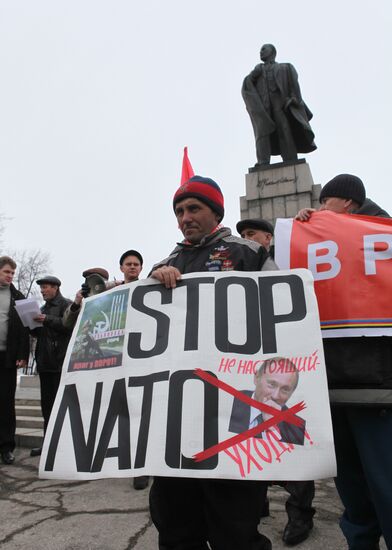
297, 112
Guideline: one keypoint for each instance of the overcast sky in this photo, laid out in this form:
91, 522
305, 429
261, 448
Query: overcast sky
98, 99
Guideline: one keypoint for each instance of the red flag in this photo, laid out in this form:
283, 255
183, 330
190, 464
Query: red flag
187, 170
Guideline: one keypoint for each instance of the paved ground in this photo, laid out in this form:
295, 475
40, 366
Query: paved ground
110, 515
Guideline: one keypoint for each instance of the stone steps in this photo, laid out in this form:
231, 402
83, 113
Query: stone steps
34, 422
29, 421
29, 437
28, 407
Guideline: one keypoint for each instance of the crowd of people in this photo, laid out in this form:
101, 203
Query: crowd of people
199, 513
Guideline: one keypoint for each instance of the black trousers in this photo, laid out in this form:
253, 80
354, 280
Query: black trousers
49, 382
7, 406
363, 448
190, 512
299, 503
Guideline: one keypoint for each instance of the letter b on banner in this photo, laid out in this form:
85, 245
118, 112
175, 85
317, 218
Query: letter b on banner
328, 258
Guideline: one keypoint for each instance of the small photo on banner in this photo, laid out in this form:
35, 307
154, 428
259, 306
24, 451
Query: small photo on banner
100, 337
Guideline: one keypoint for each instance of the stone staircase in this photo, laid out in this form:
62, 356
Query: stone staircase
29, 421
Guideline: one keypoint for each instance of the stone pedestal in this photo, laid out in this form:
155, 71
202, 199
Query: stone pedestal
279, 191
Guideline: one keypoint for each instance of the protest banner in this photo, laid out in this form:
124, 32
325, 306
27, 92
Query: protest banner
350, 258
168, 382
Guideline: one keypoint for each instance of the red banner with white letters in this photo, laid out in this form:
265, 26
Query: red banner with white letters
350, 258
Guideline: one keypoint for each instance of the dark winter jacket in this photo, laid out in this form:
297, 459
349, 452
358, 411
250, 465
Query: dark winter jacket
17, 335
359, 370
220, 251
53, 336
371, 208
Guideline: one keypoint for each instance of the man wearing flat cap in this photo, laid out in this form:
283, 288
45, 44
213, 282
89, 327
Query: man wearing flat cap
299, 504
360, 392
52, 341
259, 230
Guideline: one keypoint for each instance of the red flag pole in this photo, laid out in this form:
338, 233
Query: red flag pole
187, 170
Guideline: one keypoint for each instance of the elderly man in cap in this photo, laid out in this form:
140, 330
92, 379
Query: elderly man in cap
52, 341
192, 513
360, 390
299, 504
257, 230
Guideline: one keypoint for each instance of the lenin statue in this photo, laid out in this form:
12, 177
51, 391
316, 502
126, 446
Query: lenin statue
279, 116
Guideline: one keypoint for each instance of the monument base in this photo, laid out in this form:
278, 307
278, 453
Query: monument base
262, 167
278, 191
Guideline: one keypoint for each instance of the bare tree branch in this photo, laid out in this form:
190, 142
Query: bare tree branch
31, 264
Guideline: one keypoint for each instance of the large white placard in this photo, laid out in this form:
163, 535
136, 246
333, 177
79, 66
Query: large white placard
175, 383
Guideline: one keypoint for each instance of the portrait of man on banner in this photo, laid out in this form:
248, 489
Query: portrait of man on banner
275, 382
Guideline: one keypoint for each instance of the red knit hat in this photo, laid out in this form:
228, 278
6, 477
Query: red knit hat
204, 189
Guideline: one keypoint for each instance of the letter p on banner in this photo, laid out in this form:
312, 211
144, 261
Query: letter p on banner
374, 253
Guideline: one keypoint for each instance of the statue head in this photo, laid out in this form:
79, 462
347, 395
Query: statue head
267, 53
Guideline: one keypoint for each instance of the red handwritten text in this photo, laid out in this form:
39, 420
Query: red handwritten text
249, 366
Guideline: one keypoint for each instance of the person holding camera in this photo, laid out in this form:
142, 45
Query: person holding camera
96, 279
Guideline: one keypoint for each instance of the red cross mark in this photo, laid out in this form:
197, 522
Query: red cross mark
288, 415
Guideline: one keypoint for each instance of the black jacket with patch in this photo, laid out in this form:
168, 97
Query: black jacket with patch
220, 251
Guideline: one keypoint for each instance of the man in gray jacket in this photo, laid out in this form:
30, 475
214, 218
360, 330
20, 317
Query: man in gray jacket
14, 353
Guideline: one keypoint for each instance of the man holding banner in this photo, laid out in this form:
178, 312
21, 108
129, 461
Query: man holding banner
190, 513
353, 256
299, 504
131, 265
